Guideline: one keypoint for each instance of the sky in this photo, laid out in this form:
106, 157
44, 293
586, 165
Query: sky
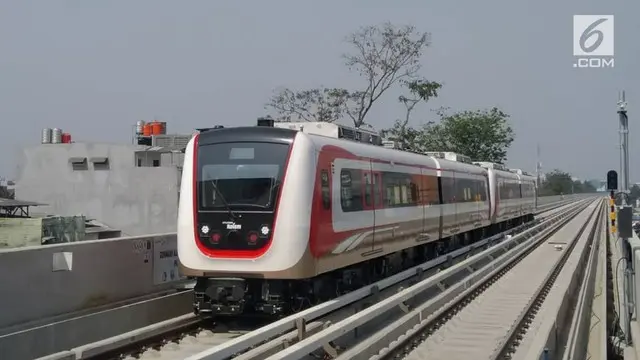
93, 68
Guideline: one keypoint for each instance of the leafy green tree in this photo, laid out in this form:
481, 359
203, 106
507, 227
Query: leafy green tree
383, 55
406, 136
556, 182
483, 135
559, 182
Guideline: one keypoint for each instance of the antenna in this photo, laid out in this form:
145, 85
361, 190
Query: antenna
622, 103
624, 141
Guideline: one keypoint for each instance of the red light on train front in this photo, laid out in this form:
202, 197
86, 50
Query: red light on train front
252, 238
215, 238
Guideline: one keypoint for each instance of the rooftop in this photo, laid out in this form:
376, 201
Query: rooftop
4, 202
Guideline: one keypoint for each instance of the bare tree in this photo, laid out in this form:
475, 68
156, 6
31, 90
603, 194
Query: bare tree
401, 132
322, 104
384, 55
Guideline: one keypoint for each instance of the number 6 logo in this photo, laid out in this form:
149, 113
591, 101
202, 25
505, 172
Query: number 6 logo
593, 35
588, 33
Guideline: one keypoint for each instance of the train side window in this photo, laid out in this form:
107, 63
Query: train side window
468, 185
388, 195
504, 191
414, 193
326, 193
465, 193
459, 189
398, 189
404, 194
473, 190
480, 190
346, 198
448, 190
350, 190
389, 189
483, 193
367, 188
377, 190
396, 195
431, 190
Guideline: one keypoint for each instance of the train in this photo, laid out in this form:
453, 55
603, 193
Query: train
277, 217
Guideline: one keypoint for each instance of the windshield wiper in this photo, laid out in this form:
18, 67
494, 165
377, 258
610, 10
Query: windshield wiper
224, 201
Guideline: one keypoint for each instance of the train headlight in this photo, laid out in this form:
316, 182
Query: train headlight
264, 230
204, 229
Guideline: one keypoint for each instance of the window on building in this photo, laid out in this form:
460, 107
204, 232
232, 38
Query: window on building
156, 163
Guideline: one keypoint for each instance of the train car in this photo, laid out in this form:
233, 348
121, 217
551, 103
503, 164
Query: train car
506, 197
528, 191
272, 219
465, 202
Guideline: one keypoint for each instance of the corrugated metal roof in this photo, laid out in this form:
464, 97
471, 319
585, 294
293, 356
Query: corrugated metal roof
4, 202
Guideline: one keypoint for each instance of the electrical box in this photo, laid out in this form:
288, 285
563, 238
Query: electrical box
625, 222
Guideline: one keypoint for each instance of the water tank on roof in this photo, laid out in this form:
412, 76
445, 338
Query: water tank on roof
56, 136
46, 135
139, 127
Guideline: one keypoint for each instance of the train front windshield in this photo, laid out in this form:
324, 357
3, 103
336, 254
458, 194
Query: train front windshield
240, 176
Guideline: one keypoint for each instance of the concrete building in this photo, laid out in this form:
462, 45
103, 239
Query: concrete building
133, 188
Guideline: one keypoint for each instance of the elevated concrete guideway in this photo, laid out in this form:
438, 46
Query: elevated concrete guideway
45, 285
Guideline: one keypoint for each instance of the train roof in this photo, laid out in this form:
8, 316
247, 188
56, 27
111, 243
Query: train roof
451, 165
247, 133
286, 134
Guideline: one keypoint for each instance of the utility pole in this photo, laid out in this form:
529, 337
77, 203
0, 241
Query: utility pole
538, 168
624, 217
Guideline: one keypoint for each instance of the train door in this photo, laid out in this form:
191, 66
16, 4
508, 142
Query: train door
376, 188
422, 198
367, 192
449, 199
369, 204
457, 189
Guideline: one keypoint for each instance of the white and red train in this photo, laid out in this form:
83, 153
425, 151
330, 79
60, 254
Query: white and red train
273, 219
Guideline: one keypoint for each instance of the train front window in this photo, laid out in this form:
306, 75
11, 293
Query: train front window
243, 176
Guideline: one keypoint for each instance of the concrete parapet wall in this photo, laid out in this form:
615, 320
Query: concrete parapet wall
61, 335
45, 281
